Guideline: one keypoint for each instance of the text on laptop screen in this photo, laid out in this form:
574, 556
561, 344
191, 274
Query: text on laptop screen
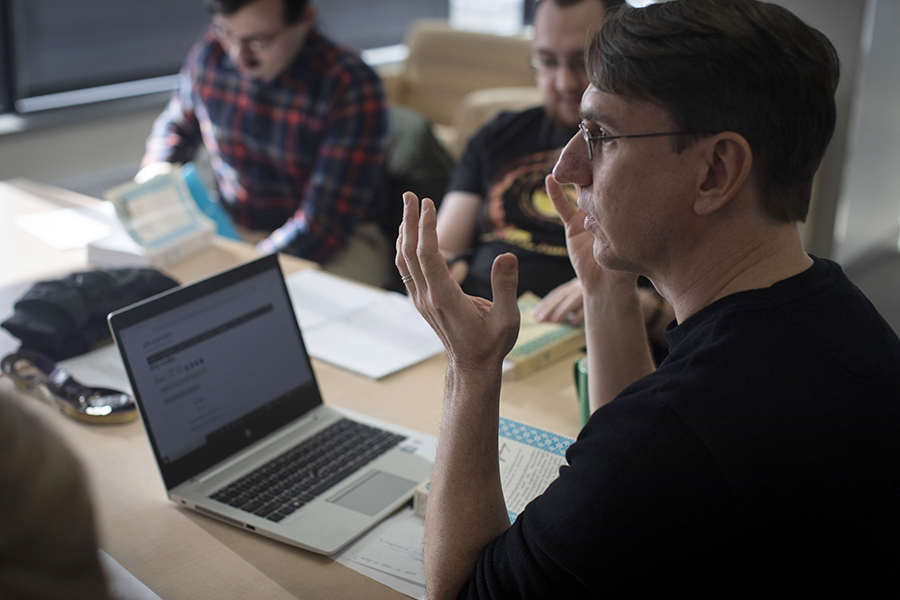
192, 362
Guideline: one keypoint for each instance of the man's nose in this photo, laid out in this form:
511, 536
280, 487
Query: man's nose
573, 165
239, 52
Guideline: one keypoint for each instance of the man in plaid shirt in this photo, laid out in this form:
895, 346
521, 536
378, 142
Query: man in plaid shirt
296, 129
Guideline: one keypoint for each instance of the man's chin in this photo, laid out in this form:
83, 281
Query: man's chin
606, 258
254, 72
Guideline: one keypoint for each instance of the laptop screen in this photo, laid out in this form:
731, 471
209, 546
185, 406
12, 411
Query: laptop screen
216, 366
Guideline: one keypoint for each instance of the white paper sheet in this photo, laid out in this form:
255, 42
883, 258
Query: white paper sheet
530, 459
361, 329
99, 368
66, 228
121, 583
391, 554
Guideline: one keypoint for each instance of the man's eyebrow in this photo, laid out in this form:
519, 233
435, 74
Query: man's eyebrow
551, 54
599, 119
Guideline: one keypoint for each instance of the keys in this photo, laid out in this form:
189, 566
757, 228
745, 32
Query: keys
299, 475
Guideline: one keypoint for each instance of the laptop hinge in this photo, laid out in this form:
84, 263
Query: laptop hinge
262, 445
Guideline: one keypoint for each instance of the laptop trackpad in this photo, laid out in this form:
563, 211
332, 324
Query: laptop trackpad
373, 492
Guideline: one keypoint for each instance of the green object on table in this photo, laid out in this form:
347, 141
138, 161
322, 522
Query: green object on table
581, 387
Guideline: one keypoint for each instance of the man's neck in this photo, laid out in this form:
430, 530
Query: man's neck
718, 270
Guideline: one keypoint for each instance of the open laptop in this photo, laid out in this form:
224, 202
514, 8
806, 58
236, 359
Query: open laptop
237, 424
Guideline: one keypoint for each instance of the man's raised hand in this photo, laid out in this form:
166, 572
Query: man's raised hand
475, 331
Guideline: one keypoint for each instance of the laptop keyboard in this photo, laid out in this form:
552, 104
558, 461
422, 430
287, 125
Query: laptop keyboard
287, 482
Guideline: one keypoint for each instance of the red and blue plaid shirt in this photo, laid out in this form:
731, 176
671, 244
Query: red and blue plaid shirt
300, 155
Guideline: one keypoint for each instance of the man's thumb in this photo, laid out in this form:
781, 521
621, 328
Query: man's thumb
504, 283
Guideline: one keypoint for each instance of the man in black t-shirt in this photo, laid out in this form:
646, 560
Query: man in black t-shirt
761, 458
497, 201
503, 170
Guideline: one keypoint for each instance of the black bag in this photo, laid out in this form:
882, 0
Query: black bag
67, 317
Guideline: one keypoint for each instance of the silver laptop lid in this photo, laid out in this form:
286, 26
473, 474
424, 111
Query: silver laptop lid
215, 366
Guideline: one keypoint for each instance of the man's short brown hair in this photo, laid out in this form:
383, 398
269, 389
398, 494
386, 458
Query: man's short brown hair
292, 8
607, 4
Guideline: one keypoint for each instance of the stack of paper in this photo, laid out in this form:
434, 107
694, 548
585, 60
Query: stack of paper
158, 223
359, 328
539, 344
68, 228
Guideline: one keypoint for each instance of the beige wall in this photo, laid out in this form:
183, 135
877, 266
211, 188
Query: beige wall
95, 139
869, 207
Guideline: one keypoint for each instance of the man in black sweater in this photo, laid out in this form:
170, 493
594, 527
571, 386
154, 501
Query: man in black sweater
762, 457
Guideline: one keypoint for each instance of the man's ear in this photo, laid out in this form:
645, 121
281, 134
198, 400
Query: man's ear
307, 17
727, 162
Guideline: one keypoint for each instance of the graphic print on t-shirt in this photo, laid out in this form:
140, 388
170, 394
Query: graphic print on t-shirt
518, 210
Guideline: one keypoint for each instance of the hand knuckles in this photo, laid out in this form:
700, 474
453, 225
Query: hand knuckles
422, 253
434, 301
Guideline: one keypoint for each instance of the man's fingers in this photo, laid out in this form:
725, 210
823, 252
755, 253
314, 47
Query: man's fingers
504, 284
561, 304
434, 267
408, 242
566, 211
399, 261
577, 316
567, 311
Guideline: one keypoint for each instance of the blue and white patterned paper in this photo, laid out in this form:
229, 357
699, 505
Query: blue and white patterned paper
534, 437
538, 439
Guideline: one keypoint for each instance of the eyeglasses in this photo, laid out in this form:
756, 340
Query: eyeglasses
549, 66
591, 139
253, 43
